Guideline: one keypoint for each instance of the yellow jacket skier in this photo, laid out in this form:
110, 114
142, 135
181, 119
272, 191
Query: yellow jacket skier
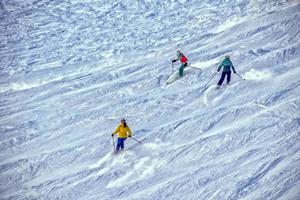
123, 132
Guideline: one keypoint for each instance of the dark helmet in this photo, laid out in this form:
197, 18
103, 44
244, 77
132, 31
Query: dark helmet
227, 56
123, 120
178, 53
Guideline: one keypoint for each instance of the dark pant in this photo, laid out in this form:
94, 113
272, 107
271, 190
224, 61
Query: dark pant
182, 66
120, 143
228, 74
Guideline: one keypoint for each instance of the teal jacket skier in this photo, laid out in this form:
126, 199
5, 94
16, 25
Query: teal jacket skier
227, 65
183, 60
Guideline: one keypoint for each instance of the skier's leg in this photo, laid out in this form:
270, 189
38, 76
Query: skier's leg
222, 78
122, 145
182, 66
228, 77
181, 70
119, 143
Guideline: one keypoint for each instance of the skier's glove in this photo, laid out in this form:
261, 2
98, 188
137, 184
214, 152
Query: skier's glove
112, 135
129, 135
174, 61
234, 72
218, 70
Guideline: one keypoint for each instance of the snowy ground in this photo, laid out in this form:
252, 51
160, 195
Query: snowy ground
70, 70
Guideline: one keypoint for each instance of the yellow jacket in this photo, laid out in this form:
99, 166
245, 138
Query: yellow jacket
122, 131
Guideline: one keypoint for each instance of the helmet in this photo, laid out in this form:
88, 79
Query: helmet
123, 120
178, 53
227, 56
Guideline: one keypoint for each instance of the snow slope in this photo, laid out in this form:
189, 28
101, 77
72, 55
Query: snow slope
71, 69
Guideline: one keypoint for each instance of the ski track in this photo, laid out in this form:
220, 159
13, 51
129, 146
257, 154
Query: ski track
70, 70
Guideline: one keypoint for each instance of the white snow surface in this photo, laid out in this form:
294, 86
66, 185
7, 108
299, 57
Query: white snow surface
70, 70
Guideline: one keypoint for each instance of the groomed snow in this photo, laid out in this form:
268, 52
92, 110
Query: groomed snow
70, 70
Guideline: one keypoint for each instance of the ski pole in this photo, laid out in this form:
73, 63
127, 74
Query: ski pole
172, 67
210, 79
136, 140
113, 142
240, 76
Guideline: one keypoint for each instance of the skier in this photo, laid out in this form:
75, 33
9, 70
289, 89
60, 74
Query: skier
123, 132
183, 61
227, 65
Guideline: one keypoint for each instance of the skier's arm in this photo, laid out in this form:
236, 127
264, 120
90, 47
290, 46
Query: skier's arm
116, 131
175, 60
220, 66
129, 132
233, 68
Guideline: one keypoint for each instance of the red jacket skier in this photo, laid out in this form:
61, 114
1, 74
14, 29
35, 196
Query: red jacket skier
183, 60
